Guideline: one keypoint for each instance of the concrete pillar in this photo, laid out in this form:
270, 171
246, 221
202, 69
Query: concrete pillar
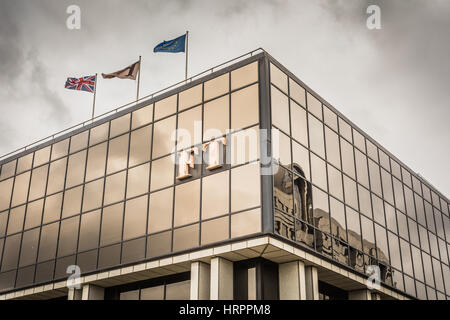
291, 278
363, 294
311, 283
200, 281
251, 284
221, 279
91, 292
74, 294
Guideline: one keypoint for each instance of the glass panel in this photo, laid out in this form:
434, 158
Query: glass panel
430, 218
3, 221
378, 212
79, 141
140, 145
402, 225
330, 118
20, 189
133, 251
278, 78
283, 197
216, 117
165, 107
8, 170
48, 241
87, 261
362, 172
345, 130
162, 173
321, 216
142, 116
299, 124
138, 180
56, 176
41, 156
160, 212
429, 279
186, 237
406, 177
135, 218
159, 244
426, 193
245, 107
99, 134
280, 110
129, 295
388, 193
190, 128
11, 253
215, 195
96, 162
420, 209
187, 203
354, 229
245, 146
245, 187
244, 75
246, 223
338, 225
314, 106
395, 167
24, 163
34, 214
398, 194
413, 232
348, 160
284, 150
109, 256
75, 169
391, 221
409, 200
60, 149
351, 197
384, 160
417, 185
297, 92
162, 140
216, 87
332, 143
114, 188
215, 230
15, 223
369, 239
52, 211
117, 154
300, 163
112, 224
394, 250
190, 97
120, 125
383, 253
375, 182
438, 275
89, 231
318, 172
364, 201
72, 202
153, 293
316, 138
68, 236
335, 182
359, 141
38, 183
5, 193
424, 239
178, 290
93, 193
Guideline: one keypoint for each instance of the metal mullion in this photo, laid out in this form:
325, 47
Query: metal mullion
9, 213
201, 165
150, 164
103, 196
125, 192
24, 216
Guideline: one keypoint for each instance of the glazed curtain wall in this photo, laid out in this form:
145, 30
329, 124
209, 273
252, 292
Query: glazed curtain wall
112, 195
341, 195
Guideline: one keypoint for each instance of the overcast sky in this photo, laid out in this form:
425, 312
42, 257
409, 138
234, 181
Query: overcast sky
393, 82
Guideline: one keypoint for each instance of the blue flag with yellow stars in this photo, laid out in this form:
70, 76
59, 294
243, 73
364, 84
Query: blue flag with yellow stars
175, 45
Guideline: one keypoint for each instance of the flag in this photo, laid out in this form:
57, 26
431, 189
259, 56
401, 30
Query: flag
129, 72
84, 84
175, 45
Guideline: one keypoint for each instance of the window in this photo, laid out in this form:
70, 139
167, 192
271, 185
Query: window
117, 154
216, 87
245, 187
160, 211
163, 142
142, 117
244, 75
245, 107
96, 162
215, 195
140, 145
278, 78
190, 97
135, 218
120, 125
112, 224
280, 110
187, 203
299, 124
215, 230
216, 117
99, 134
165, 107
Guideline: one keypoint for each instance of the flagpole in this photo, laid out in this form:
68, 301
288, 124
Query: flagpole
139, 79
187, 53
95, 94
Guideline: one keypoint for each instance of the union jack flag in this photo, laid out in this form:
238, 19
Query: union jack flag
83, 84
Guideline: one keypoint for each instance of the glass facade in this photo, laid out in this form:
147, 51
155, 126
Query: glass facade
185, 170
338, 193
119, 192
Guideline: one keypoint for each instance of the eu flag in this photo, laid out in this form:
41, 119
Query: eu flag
175, 45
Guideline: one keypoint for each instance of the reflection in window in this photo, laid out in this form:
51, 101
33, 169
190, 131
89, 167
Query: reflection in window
280, 110
283, 195
303, 200
245, 107
117, 154
56, 176
216, 117
245, 223
20, 189
353, 228
318, 172
160, 211
215, 230
190, 97
186, 237
245, 187
368, 236
165, 107
321, 215
162, 140
135, 218
215, 195
120, 125
338, 225
142, 116
300, 163
96, 162
304, 234
112, 224
299, 124
75, 169
316, 139
140, 145
187, 203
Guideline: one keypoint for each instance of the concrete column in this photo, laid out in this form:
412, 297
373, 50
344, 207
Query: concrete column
363, 294
74, 294
91, 292
291, 278
311, 283
200, 281
251, 284
221, 279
